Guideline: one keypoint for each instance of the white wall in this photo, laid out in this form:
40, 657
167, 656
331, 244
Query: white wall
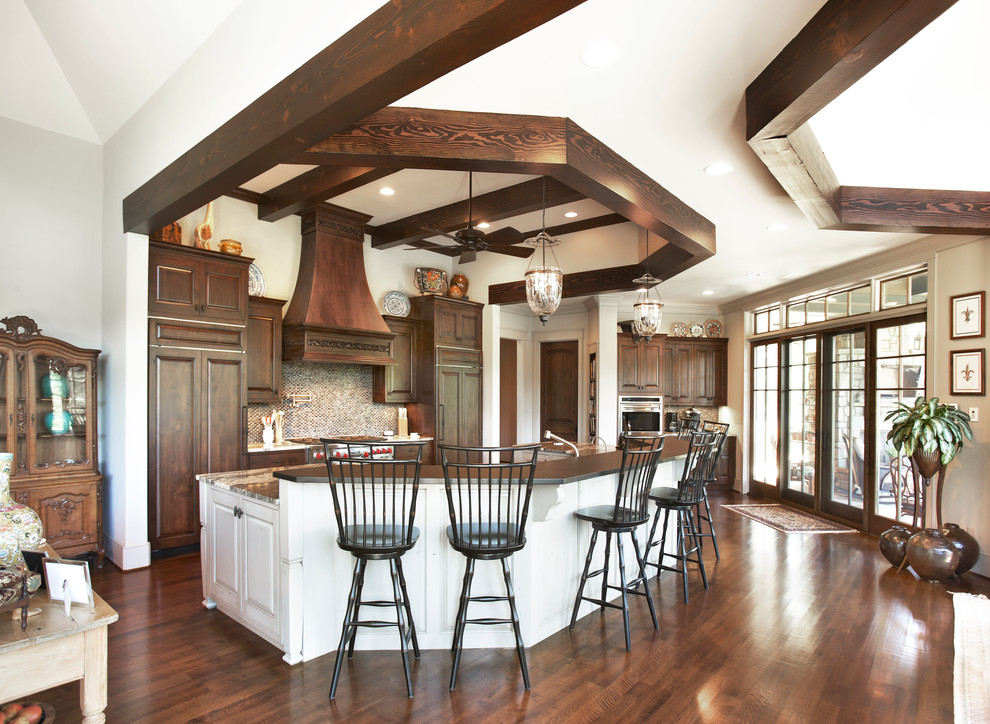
50, 195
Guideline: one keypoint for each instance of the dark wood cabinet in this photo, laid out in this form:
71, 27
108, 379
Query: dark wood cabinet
264, 350
451, 322
396, 384
640, 365
276, 459
695, 371
48, 397
198, 380
725, 470
196, 283
447, 375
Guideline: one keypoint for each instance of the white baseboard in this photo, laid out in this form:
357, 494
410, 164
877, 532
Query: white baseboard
128, 558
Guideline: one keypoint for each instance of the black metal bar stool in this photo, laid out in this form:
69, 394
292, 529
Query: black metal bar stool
640, 458
488, 502
374, 502
721, 430
683, 499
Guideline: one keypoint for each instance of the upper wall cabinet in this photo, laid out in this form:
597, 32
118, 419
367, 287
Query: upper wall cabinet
191, 283
454, 322
264, 349
396, 384
640, 365
695, 371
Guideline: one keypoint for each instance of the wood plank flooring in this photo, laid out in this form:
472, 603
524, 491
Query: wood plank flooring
798, 628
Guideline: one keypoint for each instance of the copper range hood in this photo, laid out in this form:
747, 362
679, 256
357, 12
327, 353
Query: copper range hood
332, 316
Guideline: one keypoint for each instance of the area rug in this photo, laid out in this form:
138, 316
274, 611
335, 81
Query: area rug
971, 667
788, 520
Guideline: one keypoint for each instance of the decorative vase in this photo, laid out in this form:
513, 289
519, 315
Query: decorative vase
58, 422
893, 544
430, 281
53, 385
929, 463
268, 435
20, 527
459, 282
967, 545
932, 555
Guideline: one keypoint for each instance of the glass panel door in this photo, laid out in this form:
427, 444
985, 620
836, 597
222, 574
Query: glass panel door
5, 413
800, 418
845, 403
765, 427
900, 377
59, 424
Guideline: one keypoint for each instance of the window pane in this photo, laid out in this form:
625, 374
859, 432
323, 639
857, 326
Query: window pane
859, 300
761, 322
893, 293
775, 319
816, 311
837, 305
912, 338
795, 315
919, 288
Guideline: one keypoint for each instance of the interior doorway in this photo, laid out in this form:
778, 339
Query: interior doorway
508, 376
559, 389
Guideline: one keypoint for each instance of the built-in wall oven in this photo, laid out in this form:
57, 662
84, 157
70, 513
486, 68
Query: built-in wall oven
640, 414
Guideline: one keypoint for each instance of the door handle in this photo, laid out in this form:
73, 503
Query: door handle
443, 422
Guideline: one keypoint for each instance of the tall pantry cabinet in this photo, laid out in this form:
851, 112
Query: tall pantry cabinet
197, 381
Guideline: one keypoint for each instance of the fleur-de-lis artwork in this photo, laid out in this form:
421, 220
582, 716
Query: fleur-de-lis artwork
968, 314
967, 373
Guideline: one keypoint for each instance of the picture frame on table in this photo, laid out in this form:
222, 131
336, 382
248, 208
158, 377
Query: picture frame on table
968, 372
68, 581
968, 315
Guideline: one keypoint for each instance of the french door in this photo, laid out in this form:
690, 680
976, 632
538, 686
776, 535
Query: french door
824, 396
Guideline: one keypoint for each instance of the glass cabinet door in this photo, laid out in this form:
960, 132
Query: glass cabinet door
6, 416
59, 431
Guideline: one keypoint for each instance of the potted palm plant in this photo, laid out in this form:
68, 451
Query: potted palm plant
929, 433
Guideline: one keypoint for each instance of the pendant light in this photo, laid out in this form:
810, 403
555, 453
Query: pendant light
544, 282
648, 309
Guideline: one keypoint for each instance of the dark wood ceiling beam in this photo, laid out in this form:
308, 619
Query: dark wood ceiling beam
504, 203
922, 211
573, 227
314, 187
664, 264
398, 49
844, 41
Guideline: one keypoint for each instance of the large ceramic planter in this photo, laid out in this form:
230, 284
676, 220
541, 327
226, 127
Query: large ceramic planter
932, 555
893, 544
20, 527
967, 545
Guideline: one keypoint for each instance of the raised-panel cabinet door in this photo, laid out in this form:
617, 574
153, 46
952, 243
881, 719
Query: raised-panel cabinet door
225, 564
448, 405
469, 327
470, 408
173, 447
447, 331
173, 283
650, 367
68, 515
396, 383
628, 365
225, 291
259, 527
678, 381
224, 390
264, 350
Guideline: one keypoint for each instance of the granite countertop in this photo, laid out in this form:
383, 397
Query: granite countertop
584, 448
258, 483
256, 447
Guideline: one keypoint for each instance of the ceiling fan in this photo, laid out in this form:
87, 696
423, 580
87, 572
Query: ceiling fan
471, 240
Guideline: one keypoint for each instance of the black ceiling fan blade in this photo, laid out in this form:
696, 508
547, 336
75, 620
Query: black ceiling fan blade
507, 235
430, 246
438, 232
467, 256
522, 252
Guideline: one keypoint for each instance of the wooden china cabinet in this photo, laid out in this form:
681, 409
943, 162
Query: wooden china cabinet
48, 421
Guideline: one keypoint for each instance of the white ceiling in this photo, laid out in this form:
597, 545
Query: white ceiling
671, 105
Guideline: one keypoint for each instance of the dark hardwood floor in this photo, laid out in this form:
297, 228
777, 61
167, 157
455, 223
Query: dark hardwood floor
798, 628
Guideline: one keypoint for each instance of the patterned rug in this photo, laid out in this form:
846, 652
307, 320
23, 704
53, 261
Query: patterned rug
971, 667
788, 520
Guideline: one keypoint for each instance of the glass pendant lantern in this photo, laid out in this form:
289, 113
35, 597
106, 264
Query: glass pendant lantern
648, 309
544, 281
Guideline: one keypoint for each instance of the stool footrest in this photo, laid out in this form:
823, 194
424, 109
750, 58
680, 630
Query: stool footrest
488, 621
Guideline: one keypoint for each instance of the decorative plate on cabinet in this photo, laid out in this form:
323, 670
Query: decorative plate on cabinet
713, 328
678, 329
256, 281
396, 304
696, 330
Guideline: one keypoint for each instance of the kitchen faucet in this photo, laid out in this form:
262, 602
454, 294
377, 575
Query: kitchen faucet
550, 436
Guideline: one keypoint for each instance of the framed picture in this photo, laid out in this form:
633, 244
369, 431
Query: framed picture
68, 581
967, 315
968, 372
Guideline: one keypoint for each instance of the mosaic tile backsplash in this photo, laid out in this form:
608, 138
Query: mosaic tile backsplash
341, 405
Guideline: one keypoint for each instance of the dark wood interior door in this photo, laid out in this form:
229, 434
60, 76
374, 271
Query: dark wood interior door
559, 389
508, 373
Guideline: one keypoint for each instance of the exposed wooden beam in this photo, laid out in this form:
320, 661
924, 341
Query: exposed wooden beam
242, 194
314, 187
494, 206
844, 41
573, 227
665, 263
399, 48
921, 211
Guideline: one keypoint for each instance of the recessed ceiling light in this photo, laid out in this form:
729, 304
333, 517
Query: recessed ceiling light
719, 168
753, 274
776, 227
386, 191
788, 275
708, 292
570, 214
483, 225
600, 53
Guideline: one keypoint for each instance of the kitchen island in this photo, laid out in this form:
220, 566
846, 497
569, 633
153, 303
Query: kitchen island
270, 558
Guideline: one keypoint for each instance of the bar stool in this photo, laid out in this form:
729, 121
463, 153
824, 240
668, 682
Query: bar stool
640, 457
488, 503
721, 430
683, 499
374, 502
